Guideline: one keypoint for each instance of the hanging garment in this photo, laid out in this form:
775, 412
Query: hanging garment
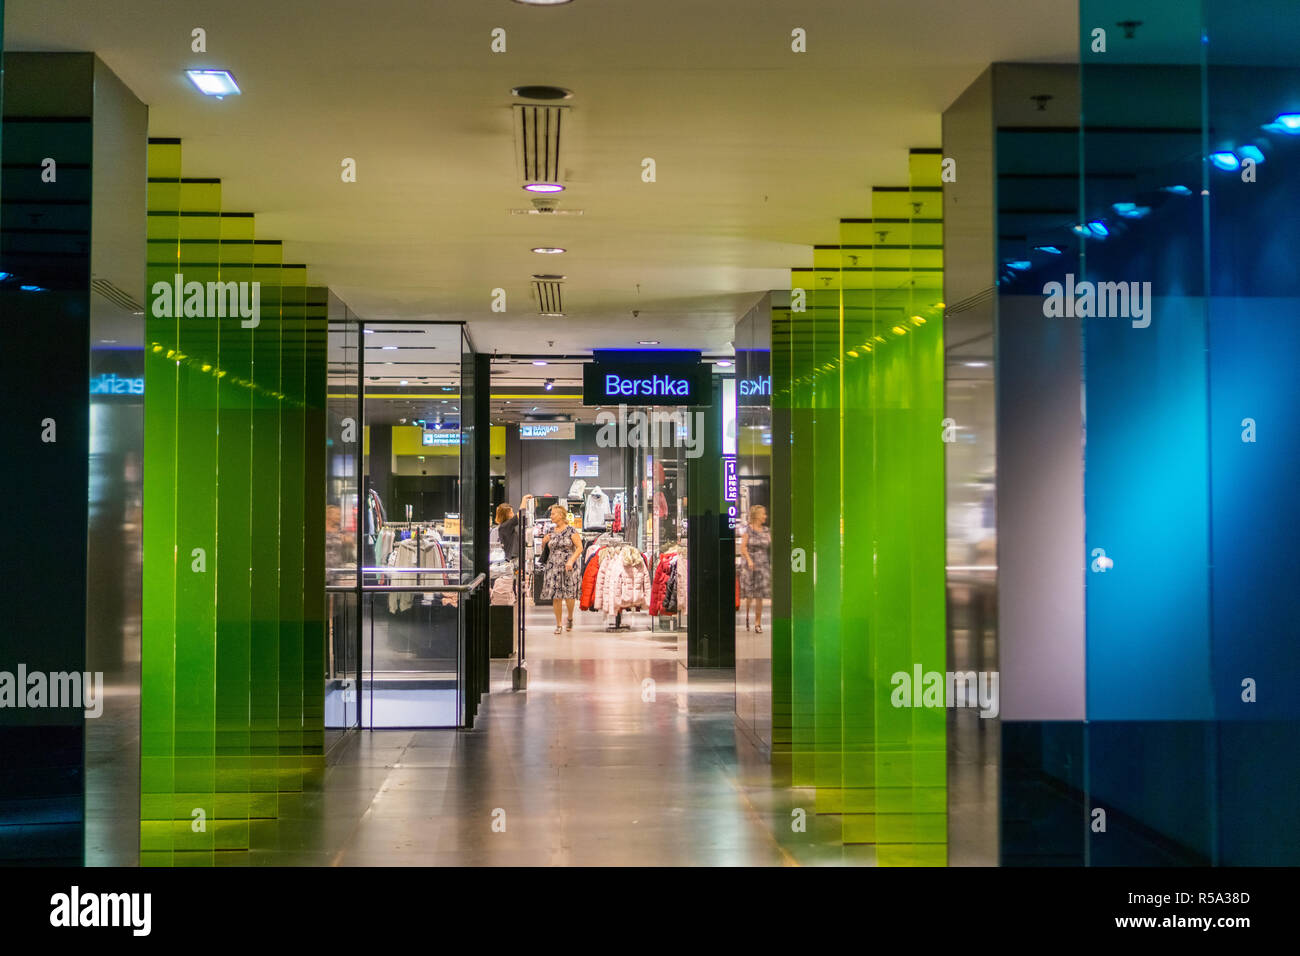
669, 605
622, 581
589, 581
578, 488
617, 524
661, 505
404, 556
597, 511
659, 584
503, 591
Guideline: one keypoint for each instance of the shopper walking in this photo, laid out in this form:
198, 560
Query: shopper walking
756, 577
561, 580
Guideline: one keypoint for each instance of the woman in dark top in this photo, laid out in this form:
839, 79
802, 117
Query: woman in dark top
507, 528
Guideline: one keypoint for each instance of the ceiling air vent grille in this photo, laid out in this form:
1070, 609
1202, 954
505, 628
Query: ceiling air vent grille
117, 296
548, 297
537, 140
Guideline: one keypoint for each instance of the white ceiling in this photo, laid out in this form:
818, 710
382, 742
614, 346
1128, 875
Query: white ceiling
759, 150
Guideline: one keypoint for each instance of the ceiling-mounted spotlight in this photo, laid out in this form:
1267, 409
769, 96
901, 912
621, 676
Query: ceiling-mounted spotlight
541, 92
218, 83
543, 3
550, 384
544, 187
548, 250
648, 342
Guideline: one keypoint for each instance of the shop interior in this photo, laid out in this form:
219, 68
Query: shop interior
626, 502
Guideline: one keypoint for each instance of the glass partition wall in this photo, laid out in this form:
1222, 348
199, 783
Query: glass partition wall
399, 565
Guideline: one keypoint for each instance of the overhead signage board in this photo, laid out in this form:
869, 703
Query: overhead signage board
640, 382
553, 430
431, 437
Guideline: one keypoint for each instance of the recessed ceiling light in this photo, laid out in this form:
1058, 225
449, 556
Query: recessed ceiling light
724, 364
369, 331
543, 3
648, 342
539, 362
548, 250
552, 315
540, 92
544, 187
216, 83
402, 382
389, 348
976, 364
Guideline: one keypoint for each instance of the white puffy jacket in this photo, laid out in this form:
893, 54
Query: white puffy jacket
623, 581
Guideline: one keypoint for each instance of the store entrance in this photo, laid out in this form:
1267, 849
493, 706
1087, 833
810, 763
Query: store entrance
600, 557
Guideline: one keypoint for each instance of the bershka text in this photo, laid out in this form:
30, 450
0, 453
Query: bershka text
950, 689
635, 428
616, 385
74, 908
36, 689
1101, 300
212, 300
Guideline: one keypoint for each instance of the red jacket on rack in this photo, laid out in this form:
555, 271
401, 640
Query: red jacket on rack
660, 584
589, 582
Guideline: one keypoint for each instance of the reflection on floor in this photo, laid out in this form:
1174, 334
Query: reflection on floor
614, 756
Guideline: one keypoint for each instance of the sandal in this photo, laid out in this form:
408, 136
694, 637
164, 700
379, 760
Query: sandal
569, 625
557, 629
758, 628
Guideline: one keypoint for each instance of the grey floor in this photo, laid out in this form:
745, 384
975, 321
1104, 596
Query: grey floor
591, 766
588, 767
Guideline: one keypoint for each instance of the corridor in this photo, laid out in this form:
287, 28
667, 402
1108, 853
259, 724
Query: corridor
588, 767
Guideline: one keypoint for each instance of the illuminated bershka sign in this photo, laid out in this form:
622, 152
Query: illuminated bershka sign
645, 379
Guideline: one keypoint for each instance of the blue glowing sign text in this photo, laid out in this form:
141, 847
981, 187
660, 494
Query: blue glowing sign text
655, 385
110, 384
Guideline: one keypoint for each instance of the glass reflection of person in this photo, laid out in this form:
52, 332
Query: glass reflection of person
561, 580
756, 572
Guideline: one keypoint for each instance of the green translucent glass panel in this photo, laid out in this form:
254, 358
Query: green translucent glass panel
228, 724
781, 522
858, 372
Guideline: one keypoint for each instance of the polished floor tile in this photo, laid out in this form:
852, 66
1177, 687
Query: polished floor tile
614, 756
